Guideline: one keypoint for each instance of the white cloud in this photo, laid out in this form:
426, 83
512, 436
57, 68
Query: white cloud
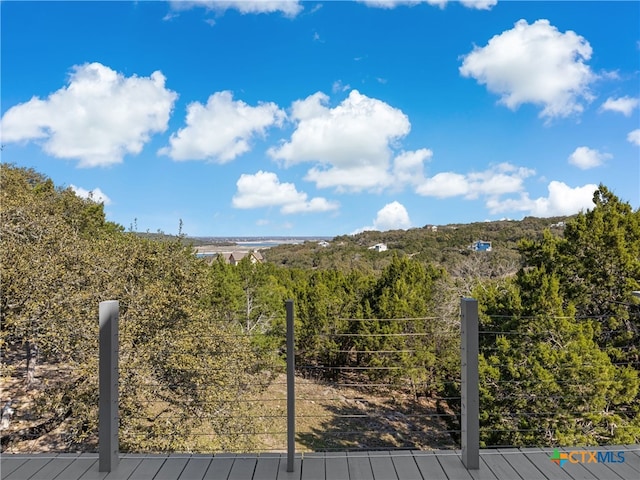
389, 4
562, 200
289, 8
96, 194
350, 144
265, 190
623, 105
634, 136
221, 130
393, 216
585, 158
497, 180
408, 167
535, 64
98, 118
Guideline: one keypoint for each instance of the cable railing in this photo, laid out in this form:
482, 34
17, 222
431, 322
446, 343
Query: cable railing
392, 384
387, 398
544, 387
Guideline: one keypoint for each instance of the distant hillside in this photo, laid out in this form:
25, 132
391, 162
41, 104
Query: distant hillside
446, 246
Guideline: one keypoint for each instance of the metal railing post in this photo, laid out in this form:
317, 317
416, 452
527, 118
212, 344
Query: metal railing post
470, 423
108, 446
291, 392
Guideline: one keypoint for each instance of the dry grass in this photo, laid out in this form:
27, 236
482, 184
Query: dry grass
327, 417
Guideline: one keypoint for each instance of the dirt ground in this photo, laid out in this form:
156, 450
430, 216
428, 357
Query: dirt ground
329, 416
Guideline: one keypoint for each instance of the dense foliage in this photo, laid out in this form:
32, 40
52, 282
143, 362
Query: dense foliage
559, 359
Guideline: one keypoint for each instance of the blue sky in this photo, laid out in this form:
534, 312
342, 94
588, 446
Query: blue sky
264, 118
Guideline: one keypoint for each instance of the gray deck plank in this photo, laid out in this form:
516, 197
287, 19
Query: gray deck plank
359, 466
313, 467
55, 467
632, 456
484, 472
243, 467
521, 464
429, 465
148, 468
172, 468
195, 468
126, 466
81, 469
542, 460
219, 467
453, 467
267, 467
282, 469
382, 466
28, 469
336, 466
629, 466
597, 470
406, 466
500, 466
8, 465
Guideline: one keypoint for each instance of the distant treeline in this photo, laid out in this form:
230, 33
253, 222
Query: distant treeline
559, 368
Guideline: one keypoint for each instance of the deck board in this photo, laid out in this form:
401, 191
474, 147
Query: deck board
313, 467
220, 467
336, 466
429, 465
148, 468
28, 469
172, 467
196, 467
500, 467
406, 466
452, 465
521, 464
498, 464
54, 468
243, 467
267, 467
382, 466
359, 466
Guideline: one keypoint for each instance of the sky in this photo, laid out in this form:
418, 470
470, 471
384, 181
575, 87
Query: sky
290, 118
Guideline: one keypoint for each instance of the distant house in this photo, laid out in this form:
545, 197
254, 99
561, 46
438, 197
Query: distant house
323, 243
379, 247
235, 257
434, 228
232, 258
480, 246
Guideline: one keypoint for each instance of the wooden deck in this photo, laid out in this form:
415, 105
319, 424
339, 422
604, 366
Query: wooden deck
501, 464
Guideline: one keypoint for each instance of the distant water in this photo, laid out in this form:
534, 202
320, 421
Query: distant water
262, 242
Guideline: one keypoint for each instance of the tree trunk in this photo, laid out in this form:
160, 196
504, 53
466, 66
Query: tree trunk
32, 362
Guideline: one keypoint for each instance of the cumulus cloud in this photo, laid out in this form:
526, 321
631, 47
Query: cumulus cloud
349, 145
586, 158
624, 105
634, 136
408, 167
98, 118
265, 190
221, 130
289, 8
498, 180
393, 216
562, 200
95, 195
535, 64
389, 4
